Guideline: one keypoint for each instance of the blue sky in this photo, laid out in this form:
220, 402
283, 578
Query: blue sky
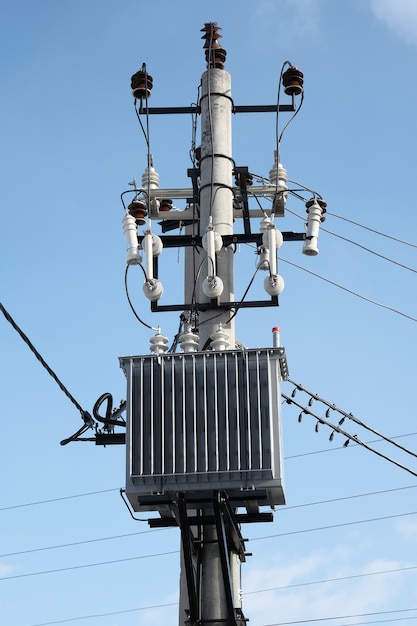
70, 145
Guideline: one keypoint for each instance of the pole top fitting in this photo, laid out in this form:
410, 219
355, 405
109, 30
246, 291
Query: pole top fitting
215, 54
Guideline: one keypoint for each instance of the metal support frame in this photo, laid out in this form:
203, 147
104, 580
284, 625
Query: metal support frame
179, 241
191, 521
190, 552
196, 109
242, 178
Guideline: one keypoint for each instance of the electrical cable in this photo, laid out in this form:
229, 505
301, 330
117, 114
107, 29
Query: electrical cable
292, 117
372, 230
253, 539
381, 256
296, 456
244, 296
87, 565
86, 417
354, 243
110, 417
122, 612
336, 428
130, 302
159, 606
354, 293
349, 416
282, 511
333, 526
326, 619
80, 543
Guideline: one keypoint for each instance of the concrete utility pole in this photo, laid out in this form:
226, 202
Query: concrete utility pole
203, 426
216, 219
216, 196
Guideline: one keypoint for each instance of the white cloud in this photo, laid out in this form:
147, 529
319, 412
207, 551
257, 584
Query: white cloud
5, 570
321, 600
400, 16
289, 20
408, 528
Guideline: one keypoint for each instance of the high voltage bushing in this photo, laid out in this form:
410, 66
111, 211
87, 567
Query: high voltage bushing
293, 81
138, 210
215, 54
141, 84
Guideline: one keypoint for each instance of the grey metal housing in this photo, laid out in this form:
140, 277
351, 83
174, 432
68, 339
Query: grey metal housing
204, 421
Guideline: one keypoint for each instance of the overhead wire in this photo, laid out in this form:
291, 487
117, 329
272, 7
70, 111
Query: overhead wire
253, 539
355, 438
169, 604
349, 416
85, 415
285, 509
372, 230
354, 293
355, 243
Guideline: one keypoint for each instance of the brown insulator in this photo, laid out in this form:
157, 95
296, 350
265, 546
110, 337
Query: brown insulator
138, 210
141, 84
293, 81
165, 205
215, 54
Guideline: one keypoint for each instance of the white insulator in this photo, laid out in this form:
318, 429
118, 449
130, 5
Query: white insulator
159, 343
147, 244
265, 224
278, 178
278, 236
272, 240
150, 178
219, 339
189, 341
152, 288
263, 258
130, 230
314, 219
157, 245
212, 243
212, 286
274, 284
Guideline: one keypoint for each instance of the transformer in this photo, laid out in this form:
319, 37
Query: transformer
204, 421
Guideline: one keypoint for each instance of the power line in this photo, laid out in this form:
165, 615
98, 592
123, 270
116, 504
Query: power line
160, 606
372, 230
86, 417
296, 456
168, 553
39, 502
122, 536
75, 619
354, 293
331, 580
80, 543
325, 619
381, 256
355, 243
85, 566
332, 526
333, 407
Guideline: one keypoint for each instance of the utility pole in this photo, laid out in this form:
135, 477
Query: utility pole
203, 426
